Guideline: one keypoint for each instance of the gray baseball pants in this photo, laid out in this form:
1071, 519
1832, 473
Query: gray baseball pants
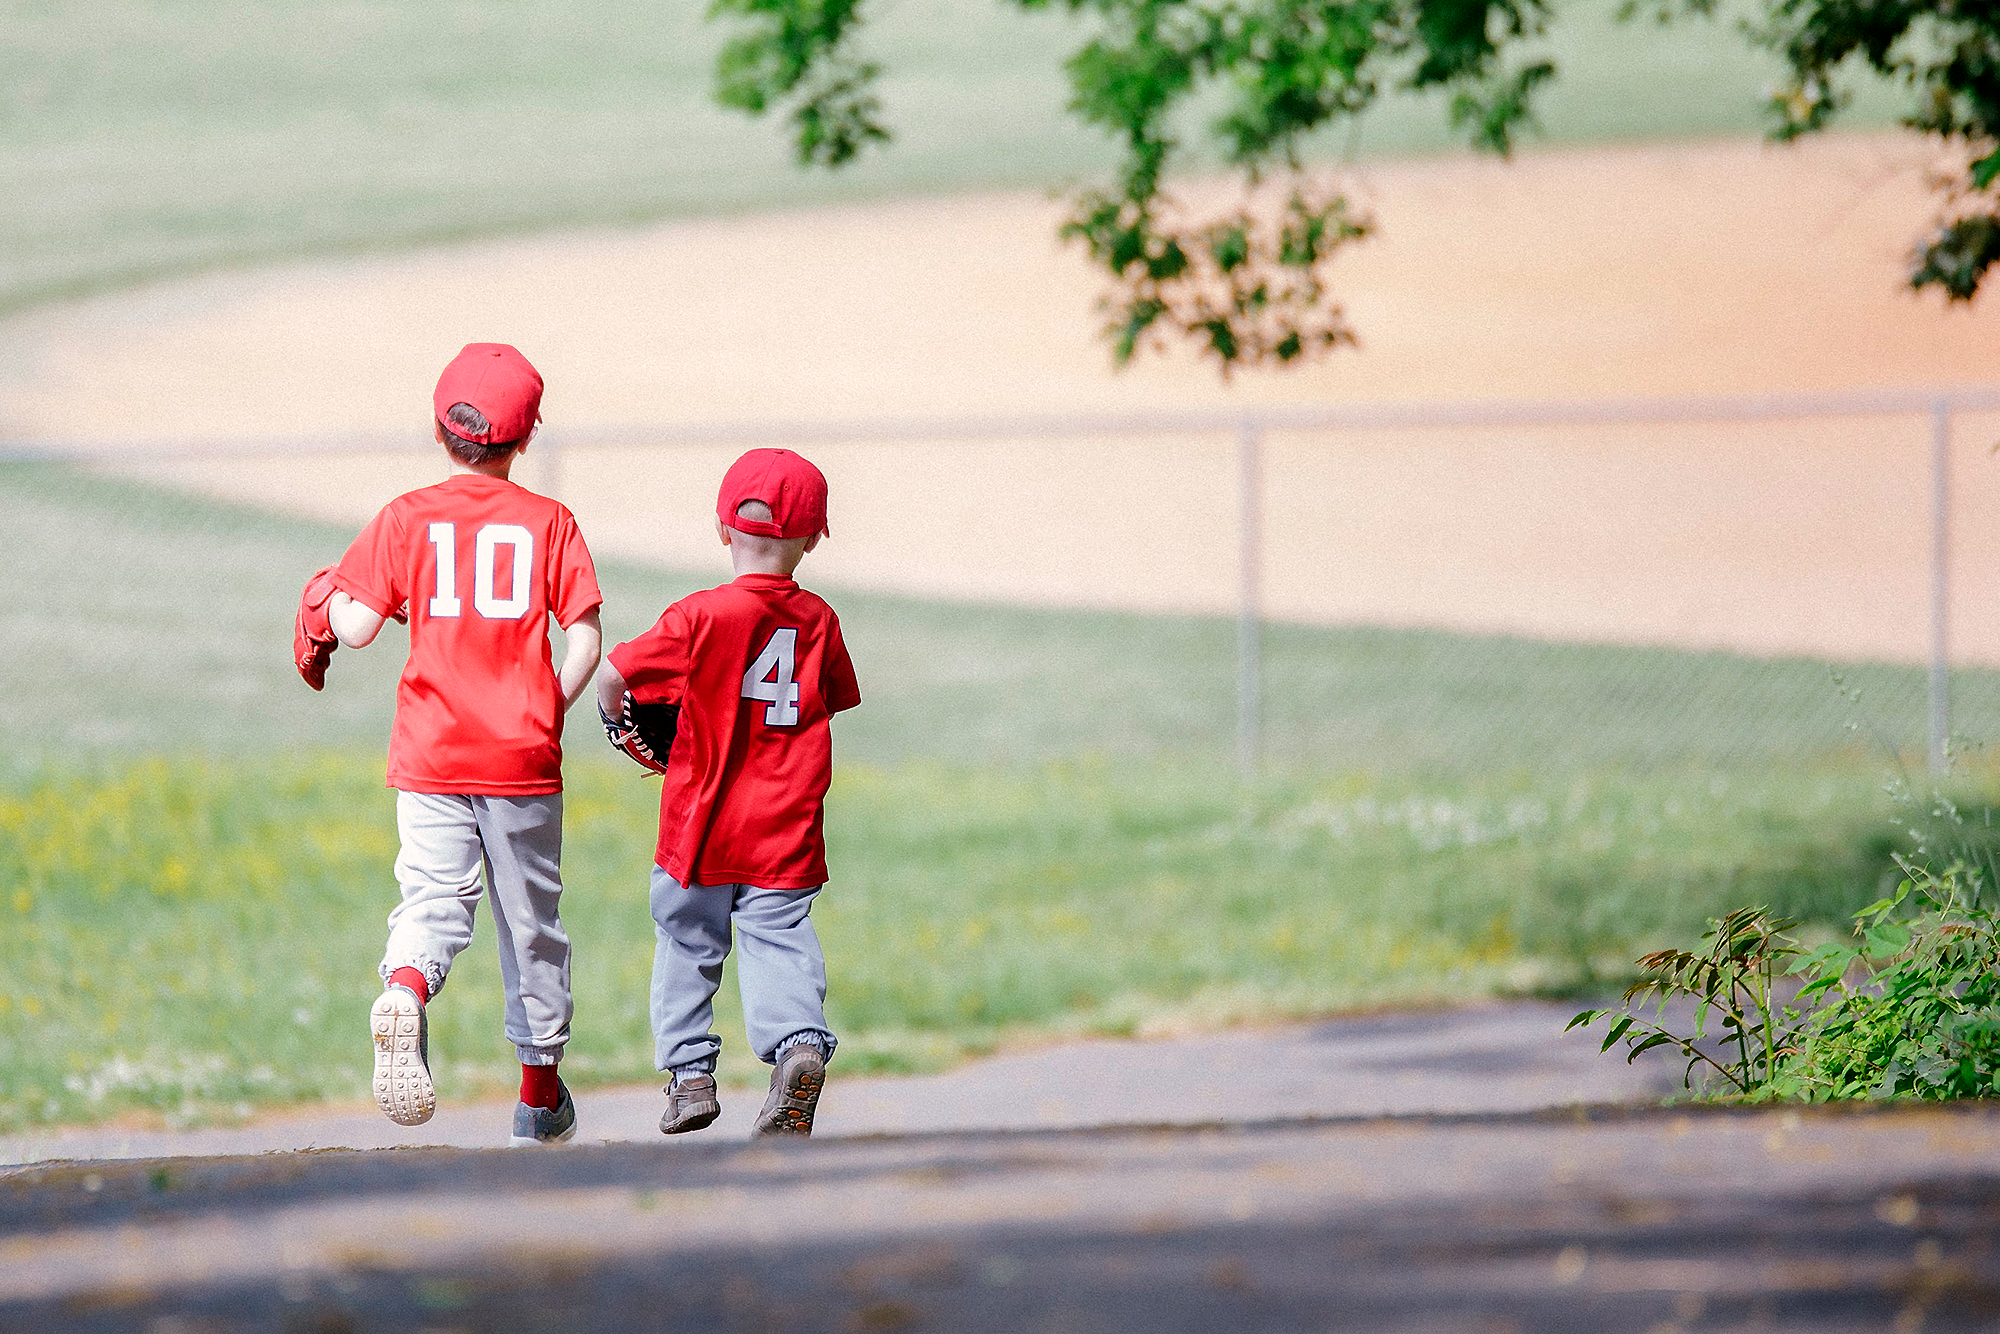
779, 967
517, 842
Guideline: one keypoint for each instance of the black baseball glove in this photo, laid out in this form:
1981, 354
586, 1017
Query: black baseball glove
645, 731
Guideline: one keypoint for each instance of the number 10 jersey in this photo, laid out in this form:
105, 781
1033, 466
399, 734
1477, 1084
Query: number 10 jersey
482, 564
757, 667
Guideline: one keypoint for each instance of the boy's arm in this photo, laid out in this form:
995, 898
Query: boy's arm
610, 690
583, 643
353, 624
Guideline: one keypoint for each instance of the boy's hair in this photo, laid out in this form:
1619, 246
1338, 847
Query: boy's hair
471, 452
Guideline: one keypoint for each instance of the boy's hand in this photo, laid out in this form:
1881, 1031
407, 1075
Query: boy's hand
643, 731
313, 640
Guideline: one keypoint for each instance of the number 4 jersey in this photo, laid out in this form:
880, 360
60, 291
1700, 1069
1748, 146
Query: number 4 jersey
757, 667
483, 564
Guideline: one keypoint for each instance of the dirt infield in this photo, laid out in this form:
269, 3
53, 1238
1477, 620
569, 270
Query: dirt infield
1717, 268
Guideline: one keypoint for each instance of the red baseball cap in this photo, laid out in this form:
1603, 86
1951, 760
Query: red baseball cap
792, 487
498, 380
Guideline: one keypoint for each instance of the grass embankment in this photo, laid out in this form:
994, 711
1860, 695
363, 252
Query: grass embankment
1034, 829
200, 937
149, 137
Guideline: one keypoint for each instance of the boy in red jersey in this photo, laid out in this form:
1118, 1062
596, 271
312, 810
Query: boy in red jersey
476, 751
756, 667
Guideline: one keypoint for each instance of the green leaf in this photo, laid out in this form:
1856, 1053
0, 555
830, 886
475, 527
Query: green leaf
1984, 170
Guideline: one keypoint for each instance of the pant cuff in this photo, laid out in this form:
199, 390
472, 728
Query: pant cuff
811, 1037
539, 1055
434, 972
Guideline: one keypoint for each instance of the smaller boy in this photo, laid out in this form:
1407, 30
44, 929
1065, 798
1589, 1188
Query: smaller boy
756, 668
481, 565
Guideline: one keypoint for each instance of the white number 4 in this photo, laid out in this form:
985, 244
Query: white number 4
770, 678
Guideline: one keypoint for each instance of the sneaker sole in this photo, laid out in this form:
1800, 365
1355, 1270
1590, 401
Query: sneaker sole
793, 1114
402, 1084
530, 1142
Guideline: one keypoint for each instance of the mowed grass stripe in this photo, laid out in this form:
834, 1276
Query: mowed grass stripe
152, 621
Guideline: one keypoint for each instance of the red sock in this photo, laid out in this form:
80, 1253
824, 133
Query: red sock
413, 978
538, 1086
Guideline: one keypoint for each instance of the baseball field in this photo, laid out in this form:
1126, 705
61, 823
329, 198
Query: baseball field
1484, 776
1071, 856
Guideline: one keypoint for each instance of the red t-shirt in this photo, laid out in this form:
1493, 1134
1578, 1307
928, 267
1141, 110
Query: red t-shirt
758, 667
482, 564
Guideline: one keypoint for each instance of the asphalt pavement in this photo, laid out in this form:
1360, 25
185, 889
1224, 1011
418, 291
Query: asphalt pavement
1448, 1172
1503, 1057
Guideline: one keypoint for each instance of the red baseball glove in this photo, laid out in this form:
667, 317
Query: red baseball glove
313, 640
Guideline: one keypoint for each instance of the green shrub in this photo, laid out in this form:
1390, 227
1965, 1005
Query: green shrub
1908, 1006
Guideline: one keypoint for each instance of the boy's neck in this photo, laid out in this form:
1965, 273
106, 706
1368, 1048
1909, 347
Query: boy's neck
498, 468
748, 563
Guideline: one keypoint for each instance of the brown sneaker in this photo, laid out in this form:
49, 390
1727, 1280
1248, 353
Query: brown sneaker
691, 1104
795, 1084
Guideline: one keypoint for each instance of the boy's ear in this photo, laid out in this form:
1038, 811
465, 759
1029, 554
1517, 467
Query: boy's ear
437, 430
813, 541
721, 532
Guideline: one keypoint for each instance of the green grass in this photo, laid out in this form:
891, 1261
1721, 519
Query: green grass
142, 138
197, 938
1034, 829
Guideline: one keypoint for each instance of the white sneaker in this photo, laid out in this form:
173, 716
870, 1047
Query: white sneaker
402, 1057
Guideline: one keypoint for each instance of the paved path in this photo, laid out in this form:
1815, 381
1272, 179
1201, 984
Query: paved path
1492, 1058
1652, 1222
1384, 1173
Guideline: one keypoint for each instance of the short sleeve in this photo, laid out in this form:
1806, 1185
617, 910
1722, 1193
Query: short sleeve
372, 570
573, 587
837, 681
655, 665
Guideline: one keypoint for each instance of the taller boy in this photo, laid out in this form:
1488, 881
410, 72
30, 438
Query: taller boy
476, 750
756, 667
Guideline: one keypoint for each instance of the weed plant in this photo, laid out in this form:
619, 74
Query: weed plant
1907, 1005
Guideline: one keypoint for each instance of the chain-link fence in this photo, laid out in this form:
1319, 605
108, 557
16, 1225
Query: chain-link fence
1441, 588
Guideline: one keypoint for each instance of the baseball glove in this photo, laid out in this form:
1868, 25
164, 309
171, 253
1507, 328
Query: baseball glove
643, 731
313, 640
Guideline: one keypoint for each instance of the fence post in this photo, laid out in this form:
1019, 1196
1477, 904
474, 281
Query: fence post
1249, 600
1940, 721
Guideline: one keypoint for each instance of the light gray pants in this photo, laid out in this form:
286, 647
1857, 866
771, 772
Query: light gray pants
517, 841
779, 967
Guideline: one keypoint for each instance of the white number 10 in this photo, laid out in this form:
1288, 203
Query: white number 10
770, 678
485, 551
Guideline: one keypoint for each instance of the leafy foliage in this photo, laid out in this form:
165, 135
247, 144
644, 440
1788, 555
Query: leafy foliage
1247, 284
1907, 1007
1733, 978
1924, 1021
795, 51
1948, 55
